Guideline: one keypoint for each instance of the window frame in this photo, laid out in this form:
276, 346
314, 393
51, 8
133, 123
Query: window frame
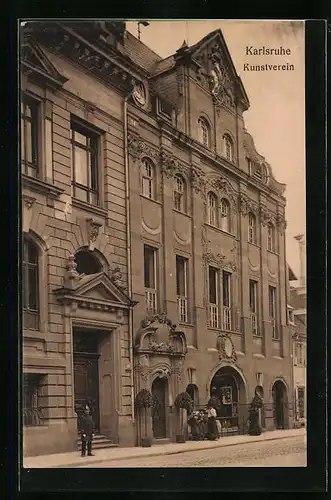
151, 291
182, 299
204, 132
214, 307
93, 167
227, 325
254, 312
228, 145
151, 195
272, 301
225, 203
180, 195
271, 237
29, 312
252, 228
35, 121
212, 196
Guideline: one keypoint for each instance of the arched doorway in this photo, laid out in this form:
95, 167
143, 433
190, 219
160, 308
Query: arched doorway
193, 391
227, 391
159, 420
279, 400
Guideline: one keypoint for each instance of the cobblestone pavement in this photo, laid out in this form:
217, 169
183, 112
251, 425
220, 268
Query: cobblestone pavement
290, 452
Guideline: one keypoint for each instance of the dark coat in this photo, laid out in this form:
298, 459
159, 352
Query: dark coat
86, 427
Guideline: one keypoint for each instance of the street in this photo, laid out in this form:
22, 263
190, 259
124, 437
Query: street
288, 452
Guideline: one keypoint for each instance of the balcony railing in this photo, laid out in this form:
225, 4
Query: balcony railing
213, 316
182, 309
227, 323
151, 300
254, 324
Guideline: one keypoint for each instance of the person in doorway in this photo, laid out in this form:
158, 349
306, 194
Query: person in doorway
86, 432
212, 427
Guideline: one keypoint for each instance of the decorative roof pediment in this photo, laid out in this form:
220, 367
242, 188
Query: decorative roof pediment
216, 70
36, 63
96, 289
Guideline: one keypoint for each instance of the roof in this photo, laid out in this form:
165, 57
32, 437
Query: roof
140, 53
296, 300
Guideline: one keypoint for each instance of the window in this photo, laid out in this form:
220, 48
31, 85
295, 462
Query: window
32, 413
87, 263
225, 216
228, 147
300, 354
181, 285
301, 402
271, 237
253, 306
251, 228
148, 179
227, 319
85, 145
30, 285
180, 201
272, 312
213, 297
150, 278
212, 209
29, 136
203, 132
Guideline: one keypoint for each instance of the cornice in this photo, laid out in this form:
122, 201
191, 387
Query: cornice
40, 186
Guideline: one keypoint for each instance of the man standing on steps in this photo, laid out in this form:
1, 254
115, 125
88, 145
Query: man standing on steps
86, 432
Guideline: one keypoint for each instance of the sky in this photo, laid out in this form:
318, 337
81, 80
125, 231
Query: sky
276, 117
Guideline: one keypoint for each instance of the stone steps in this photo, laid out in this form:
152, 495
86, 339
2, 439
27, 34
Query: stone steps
99, 442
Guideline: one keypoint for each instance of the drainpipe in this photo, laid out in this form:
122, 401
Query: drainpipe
128, 242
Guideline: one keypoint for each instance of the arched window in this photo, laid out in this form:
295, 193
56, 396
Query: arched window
30, 285
87, 262
227, 147
212, 209
271, 237
148, 178
203, 132
225, 215
180, 201
251, 228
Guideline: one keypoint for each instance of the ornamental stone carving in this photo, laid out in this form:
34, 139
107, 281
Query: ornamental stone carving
93, 229
266, 216
220, 82
198, 181
28, 201
172, 166
247, 205
137, 148
161, 347
159, 318
226, 348
281, 223
222, 186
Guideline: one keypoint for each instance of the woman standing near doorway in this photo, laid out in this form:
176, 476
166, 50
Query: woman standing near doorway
212, 427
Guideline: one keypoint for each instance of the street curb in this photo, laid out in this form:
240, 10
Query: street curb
155, 454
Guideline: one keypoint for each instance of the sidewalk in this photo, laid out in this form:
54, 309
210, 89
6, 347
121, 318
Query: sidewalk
73, 459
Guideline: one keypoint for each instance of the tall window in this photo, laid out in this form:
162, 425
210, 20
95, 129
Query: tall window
253, 306
85, 145
213, 297
301, 402
180, 194
251, 228
272, 312
271, 237
30, 285
225, 215
29, 136
203, 132
148, 178
228, 147
212, 209
32, 413
181, 285
150, 278
227, 319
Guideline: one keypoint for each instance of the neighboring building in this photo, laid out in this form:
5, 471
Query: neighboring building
298, 319
189, 291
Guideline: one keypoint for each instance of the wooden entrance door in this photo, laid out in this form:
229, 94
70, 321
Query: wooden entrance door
86, 376
159, 389
278, 405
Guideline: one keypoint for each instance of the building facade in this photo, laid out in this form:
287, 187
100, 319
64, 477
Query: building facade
298, 321
153, 238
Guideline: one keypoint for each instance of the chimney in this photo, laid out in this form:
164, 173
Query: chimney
302, 254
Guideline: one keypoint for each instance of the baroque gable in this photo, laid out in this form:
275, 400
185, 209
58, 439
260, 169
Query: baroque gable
215, 71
